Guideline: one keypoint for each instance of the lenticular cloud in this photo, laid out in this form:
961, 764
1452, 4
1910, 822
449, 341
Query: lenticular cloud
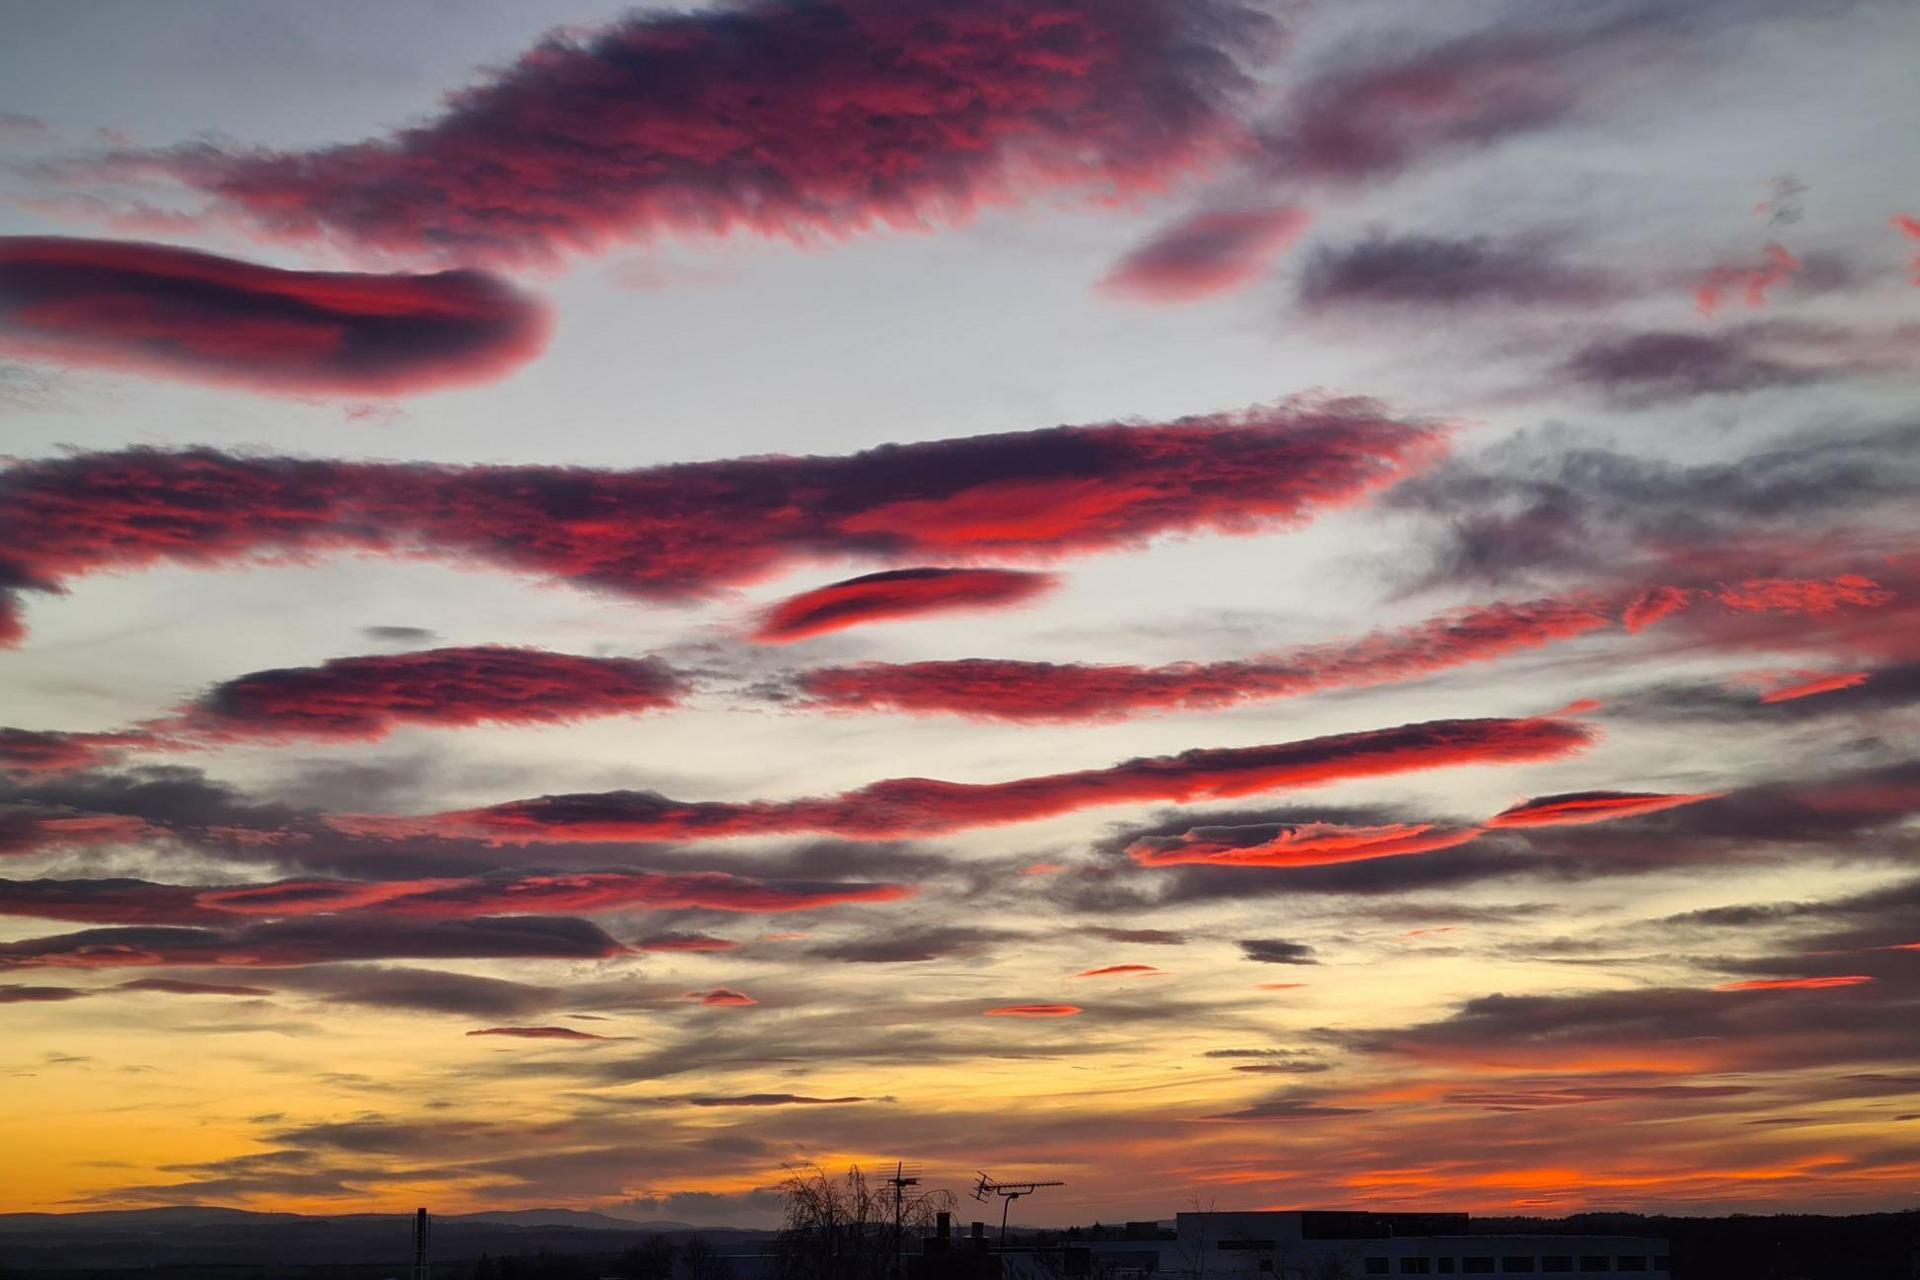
680, 532
158, 309
896, 594
367, 696
784, 117
901, 807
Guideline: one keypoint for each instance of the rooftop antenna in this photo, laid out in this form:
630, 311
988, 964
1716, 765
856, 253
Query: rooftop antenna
1008, 1193
904, 1175
422, 1269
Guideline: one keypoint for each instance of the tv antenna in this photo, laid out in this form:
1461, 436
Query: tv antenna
1008, 1193
904, 1175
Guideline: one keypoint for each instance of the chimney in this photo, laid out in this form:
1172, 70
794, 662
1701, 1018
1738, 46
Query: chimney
979, 1236
943, 1225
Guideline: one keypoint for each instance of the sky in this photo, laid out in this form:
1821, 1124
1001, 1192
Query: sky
1237, 603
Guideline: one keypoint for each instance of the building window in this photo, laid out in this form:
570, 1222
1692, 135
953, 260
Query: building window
1631, 1262
1476, 1266
1594, 1262
1415, 1267
1376, 1266
1446, 1266
1556, 1262
1516, 1264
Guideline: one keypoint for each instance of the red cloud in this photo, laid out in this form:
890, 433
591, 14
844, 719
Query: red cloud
106, 902
1808, 688
157, 309
1322, 844
1797, 984
1122, 971
1035, 1011
1206, 253
723, 998
1652, 605
366, 697
1316, 844
31, 829
585, 893
896, 593
1908, 225
784, 117
538, 1033
1802, 595
900, 807
582, 893
1000, 689
680, 532
29, 751
1582, 808
1754, 281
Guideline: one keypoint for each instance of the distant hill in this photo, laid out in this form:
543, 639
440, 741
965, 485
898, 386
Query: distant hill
118, 1242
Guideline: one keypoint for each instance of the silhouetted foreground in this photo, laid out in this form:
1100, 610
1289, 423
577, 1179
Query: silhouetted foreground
228, 1244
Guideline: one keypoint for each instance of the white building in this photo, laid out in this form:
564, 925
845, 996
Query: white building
1332, 1245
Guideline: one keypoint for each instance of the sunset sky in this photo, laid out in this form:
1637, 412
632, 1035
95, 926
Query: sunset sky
1256, 603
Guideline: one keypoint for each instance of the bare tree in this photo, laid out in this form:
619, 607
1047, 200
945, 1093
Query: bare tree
842, 1228
699, 1260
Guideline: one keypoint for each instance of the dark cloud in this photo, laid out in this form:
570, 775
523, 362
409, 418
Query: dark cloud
922, 806
1381, 106
769, 1100
907, 946
1277, 951
1642, 369
127, 901
13, 993
540, 1033
1146, 937
896, 594
782, 117
1429, 271
678, 532
288, 943
28, 751
400, 634
1795, 697
179, 987
1666, 1030
157, 309
367, 696
421, 990
1294, 1107
116, 901
1207, 253
1548, 501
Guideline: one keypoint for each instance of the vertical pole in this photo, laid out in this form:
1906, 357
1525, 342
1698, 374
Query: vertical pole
421, 1271
1006, 1207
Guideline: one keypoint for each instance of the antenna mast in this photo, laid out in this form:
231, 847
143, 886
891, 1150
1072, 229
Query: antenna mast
422, 1269
1008, 1193
903, 1177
